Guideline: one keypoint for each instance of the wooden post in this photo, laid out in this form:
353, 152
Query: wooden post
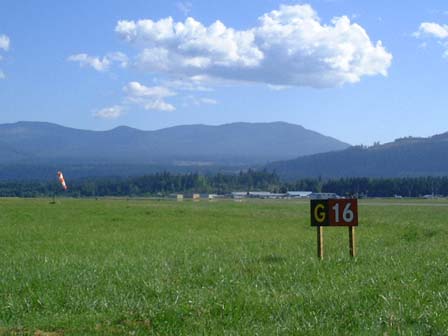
351, 238
320, 242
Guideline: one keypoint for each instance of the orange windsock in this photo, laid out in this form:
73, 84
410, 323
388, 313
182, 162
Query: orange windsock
61, 180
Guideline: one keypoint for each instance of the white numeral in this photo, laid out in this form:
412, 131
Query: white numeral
347, 215
336, 212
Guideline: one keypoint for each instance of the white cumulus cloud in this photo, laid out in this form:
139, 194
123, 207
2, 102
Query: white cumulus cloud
188, 84
434, 30
159, 105
289, 46
118, 57
198, 101
149, 97
138, 90
4, 45
100, 64
4, 42
94, 62
112, 112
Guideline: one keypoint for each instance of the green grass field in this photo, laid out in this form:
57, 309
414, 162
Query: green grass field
139, 267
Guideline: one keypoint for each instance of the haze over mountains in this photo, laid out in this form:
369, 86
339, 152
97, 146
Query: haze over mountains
35, 150
38, 148
406, 157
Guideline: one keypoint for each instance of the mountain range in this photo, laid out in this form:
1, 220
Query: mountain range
405, 157
38, 148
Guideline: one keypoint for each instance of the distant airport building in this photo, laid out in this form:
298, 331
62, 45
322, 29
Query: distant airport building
277, 195
287, 195
259, 194
323, 195
178, 197
239, 194
299, 194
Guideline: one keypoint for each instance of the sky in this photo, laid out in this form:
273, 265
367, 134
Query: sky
359, 71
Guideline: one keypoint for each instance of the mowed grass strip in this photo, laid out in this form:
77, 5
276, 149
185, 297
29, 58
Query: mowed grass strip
104, 267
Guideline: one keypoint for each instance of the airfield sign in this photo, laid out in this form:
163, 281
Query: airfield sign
334, 212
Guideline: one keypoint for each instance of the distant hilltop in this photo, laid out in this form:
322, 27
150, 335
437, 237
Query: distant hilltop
405, 157
40, 145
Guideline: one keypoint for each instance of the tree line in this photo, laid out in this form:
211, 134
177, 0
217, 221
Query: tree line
164, 184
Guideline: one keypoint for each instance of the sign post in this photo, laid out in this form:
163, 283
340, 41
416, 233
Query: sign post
351, 238
334, 212
320, 242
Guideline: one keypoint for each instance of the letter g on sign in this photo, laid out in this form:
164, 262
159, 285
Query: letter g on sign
319, 213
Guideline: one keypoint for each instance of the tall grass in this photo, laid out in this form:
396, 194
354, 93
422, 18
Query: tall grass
105, 267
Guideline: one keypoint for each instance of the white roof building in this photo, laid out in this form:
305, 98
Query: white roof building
324, 196
259, 194
299, 194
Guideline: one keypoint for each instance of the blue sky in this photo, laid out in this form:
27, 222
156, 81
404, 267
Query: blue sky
94, 65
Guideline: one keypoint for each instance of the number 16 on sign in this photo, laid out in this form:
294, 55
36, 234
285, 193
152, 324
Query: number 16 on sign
334, 212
